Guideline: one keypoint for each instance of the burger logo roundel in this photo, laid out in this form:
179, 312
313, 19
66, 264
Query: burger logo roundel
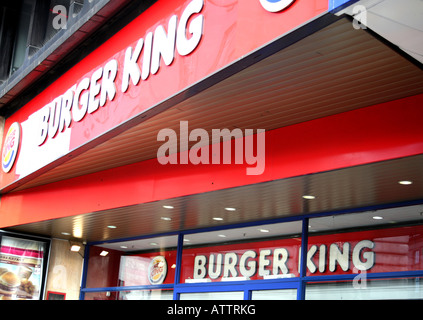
10, 147
276, 5
157, 270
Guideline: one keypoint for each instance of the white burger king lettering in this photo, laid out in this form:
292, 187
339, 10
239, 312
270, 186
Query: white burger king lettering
92, 93
274, 263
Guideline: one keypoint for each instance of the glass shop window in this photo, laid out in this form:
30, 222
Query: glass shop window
375, 241
143, 262
274, 294
22, 34
155, 294
359, 244
366, 289
259, 252
223, 295
36, 25
9, 17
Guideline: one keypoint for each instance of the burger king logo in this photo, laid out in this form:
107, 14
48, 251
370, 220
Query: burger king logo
10, 147
157, 270
276, 5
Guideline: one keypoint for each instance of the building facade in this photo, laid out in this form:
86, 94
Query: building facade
198, 149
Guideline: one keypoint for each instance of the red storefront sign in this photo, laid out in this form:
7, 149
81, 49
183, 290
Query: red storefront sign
166, 50
383, 250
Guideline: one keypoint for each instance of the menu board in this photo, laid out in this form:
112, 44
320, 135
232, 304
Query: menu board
21, 264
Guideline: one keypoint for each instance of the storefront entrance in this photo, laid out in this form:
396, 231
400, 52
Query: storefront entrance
368, 254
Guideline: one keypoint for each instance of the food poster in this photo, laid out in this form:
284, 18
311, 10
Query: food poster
21, 263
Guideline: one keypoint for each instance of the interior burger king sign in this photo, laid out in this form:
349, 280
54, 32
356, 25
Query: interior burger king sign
157, 270
10, 147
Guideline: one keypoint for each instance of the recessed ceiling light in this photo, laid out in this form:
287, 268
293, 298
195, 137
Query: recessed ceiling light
65, 233
221, 236
75, 248
124, 247
154, 244
104, 253
186, 240
230, 209
378, 218
168, 207
218, 219
111, 227
264, 230
166, 218
309, 197
405, 182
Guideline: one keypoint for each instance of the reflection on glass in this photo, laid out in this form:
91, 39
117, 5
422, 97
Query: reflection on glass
364, 289
158, 294
146, 295
233, 295
147, 269
133, 263
367, 242
259, 252
279, 294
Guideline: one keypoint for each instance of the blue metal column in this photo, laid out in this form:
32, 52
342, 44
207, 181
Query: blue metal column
178, 265
247, 294
84, 272
303, 259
